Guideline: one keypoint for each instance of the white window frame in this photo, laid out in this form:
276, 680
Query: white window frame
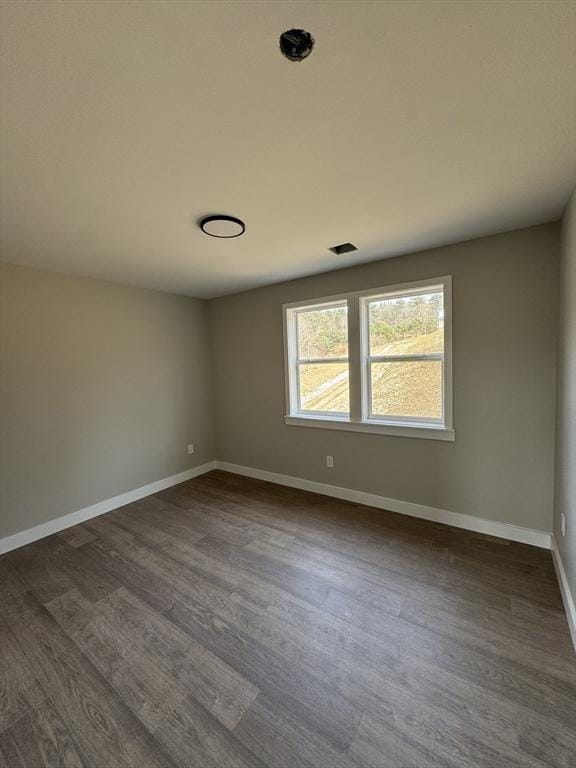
360, 419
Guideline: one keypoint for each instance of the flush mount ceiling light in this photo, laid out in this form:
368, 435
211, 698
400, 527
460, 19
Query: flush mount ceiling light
222, 226
296, 44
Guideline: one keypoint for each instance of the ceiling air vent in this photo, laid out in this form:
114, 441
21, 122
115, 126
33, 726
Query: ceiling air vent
343, 248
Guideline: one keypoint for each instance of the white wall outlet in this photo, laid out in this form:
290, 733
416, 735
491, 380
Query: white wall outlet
191, 448
563, 524
330, 461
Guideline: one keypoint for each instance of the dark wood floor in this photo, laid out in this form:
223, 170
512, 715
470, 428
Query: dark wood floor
227, 623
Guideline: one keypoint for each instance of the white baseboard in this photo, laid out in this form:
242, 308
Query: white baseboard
457, 519
567, 597
67, 521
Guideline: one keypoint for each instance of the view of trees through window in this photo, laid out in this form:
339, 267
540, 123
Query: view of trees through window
398, 327
406, 324
323, 336
401, 326
323, 333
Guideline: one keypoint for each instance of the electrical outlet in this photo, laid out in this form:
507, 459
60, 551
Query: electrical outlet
191, 448
563, 524
330, 461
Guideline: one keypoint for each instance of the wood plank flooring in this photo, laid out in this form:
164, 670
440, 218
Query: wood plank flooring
231, 623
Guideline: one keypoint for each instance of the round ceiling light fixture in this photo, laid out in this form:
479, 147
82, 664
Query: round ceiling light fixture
222, 226
296, 44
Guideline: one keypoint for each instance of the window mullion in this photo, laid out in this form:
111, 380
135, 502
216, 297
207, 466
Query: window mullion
354, 359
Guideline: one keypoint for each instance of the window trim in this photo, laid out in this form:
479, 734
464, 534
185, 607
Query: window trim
359, 419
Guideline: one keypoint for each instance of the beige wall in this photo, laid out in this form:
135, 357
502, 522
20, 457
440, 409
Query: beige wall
565, 489
102, 388
505, 320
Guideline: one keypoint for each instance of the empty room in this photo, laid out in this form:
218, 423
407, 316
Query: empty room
288, 384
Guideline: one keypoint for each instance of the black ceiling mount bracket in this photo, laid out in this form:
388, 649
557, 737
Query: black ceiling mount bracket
296, 44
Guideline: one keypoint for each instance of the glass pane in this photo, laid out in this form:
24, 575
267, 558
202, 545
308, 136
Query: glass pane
407, 324
323, 333
407, 389
324, 387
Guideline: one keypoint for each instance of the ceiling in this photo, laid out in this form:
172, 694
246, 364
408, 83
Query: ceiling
412, 124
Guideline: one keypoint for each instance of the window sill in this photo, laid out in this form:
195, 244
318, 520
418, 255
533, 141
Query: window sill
431, 432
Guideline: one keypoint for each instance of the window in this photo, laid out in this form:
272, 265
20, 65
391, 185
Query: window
374, 361
321, 348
